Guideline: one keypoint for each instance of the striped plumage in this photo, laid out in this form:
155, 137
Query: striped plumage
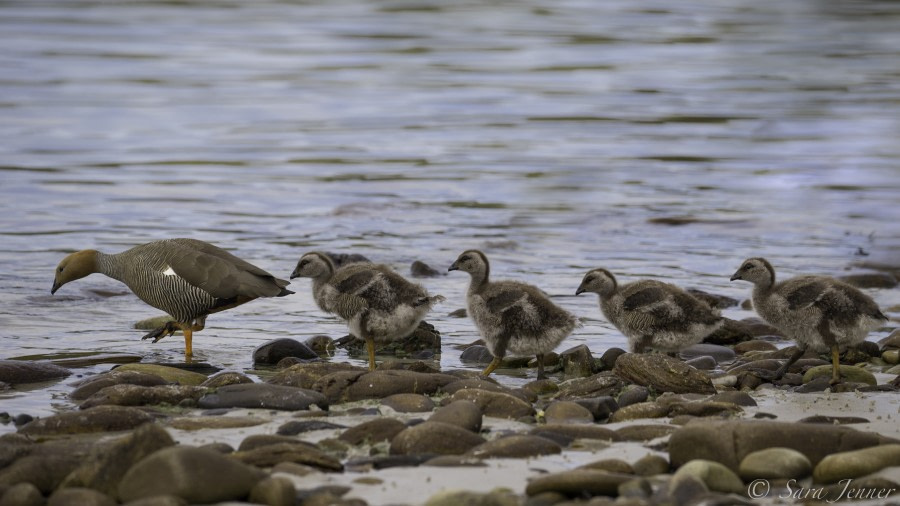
512, 317
818, 312
650, 313
187, 278
378, 304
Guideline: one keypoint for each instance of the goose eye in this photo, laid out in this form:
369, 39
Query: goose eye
61, 269
465, 258
304, 263
747, 267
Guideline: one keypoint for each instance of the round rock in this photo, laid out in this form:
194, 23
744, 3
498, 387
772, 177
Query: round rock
434, 438
849, 374
715, 476
854, 464
193, 474
463, 414
567, 412
373, 431
516, 447
273, 351
408, 403
775, 463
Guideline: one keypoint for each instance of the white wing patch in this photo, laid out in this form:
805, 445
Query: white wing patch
169, 271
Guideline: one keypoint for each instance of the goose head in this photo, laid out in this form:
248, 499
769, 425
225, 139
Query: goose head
314, 265
757, 271
599, 281
75, 266
472, 261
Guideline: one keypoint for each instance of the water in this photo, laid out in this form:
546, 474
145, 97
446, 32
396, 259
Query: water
550, 135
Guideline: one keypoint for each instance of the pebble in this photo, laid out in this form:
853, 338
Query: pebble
638, 411
476, 354
419, 269
849, 374
714, 475
434, 438
408, 403
775, 463
754, 345
354, 386
295, 427
728, 442
516, 446
856, 463
274, 491
499, 497
474, 383
272, 352
609, 358
79, 496
577, 361
495, 404
578, 431
294, 451
598, 385
17, 372
99, 419
373, 431
193, 474
170, 374
22, 494
105, 466
92, 385
264, 396
644, 432
633, 394
720, 354
226, 378
137, 395
599, 407
891, 356
578, 483
461, 413
734, 397
567, 412
651, 465
662, 373
610, 465
870, 280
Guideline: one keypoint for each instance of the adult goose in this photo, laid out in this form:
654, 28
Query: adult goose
378, 304
818, 312
512, 317
650, 313
187, 278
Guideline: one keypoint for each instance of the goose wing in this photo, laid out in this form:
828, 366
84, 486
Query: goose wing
218, 272
837, 301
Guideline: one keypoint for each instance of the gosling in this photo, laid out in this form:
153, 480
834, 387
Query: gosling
186, 278
650, 313
512, 317
818, 312
378, 304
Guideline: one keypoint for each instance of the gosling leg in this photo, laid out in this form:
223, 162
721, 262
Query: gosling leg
490, 368
370, 347
540, 366
835, 365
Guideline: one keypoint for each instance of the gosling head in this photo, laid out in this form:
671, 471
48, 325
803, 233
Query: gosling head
74, 266
599, 281
757, 271
314, 265
472, 261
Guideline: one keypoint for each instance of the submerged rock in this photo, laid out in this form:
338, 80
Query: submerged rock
272, 352
98, 419
264, 396
662, 373
420, 269
306, 375
92, 385
352, 386
136, 395
424, 338
17, 372
170, 374
849, 374
516, 446
373, 431
226, 378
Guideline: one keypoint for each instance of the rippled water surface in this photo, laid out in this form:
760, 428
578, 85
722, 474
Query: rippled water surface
556, 136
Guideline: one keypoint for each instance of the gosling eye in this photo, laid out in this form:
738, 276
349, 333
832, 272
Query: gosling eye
465, 258
747, 267
303, 263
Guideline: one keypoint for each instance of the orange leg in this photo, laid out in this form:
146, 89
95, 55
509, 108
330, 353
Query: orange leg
490, 368
835, 365
370, 346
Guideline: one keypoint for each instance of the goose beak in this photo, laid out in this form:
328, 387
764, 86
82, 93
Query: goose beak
453, 267
579, 291
736, 275
55, 287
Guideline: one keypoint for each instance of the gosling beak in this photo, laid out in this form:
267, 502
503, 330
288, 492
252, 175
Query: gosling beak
580, 290
55, 287
294, 275
736, 275
454, 267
